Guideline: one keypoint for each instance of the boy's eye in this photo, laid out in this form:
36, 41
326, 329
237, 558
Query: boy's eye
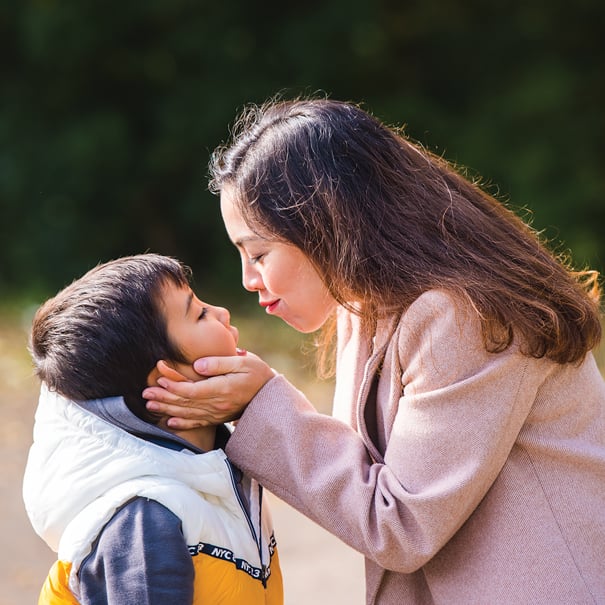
202, 314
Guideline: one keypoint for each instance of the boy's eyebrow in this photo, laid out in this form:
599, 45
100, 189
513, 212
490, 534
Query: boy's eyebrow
188, 305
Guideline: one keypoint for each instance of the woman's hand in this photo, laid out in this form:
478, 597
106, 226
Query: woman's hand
226, 386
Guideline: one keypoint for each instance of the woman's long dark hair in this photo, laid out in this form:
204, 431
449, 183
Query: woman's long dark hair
384, 220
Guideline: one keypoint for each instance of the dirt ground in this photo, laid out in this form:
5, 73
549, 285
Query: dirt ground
317, 567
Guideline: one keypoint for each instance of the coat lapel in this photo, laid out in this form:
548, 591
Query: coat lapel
367, 401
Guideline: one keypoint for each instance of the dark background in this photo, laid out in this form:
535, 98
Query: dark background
109, 112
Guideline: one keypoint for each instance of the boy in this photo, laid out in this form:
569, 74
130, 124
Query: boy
138, 512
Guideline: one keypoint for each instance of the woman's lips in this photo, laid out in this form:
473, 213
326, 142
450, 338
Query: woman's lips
270, 307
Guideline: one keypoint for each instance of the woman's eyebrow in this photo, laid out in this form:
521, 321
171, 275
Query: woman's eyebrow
246, 239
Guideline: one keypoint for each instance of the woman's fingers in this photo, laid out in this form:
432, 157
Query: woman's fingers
221, 394
180, 424
169, 372
187, 416
202, 400
216, 366
160, 395
180, 393
168, 409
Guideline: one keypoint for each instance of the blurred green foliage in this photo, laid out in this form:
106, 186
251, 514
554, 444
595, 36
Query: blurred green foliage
110, 111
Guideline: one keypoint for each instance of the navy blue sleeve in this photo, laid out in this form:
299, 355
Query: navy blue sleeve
139, 558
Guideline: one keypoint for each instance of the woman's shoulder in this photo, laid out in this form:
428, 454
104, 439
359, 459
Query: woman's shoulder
435, 308
442, 326
440, 342
440, 298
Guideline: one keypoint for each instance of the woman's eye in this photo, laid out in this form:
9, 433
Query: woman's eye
202, 314
254, 259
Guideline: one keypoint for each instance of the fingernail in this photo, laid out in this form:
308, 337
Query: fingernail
152, 406
162, 382
200, 366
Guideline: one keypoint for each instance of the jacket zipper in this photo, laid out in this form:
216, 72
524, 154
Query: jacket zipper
257, 538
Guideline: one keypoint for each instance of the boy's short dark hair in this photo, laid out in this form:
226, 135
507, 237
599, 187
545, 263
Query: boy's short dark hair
103, 334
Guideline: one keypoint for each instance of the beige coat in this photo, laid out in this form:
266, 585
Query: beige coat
464, 477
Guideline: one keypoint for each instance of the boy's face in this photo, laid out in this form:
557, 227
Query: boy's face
196, 328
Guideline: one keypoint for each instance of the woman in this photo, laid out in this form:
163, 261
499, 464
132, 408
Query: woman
467, 457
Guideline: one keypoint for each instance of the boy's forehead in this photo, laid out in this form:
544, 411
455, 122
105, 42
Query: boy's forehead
171, 293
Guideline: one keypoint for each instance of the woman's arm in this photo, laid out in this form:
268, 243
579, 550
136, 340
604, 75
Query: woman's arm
453, 428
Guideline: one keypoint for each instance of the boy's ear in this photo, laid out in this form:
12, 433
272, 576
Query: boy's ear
163, 369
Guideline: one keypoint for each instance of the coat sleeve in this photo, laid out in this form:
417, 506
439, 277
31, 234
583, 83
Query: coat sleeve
459, 412
140, 558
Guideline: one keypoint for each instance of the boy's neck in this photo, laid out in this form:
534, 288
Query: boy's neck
202, 437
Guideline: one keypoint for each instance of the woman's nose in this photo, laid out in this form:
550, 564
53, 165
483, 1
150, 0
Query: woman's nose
251, 279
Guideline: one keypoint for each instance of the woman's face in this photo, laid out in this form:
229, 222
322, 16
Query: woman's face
287, 283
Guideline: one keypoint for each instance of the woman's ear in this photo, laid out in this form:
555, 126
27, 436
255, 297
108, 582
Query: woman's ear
162, 368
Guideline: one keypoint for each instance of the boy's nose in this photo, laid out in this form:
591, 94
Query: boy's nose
223, 315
